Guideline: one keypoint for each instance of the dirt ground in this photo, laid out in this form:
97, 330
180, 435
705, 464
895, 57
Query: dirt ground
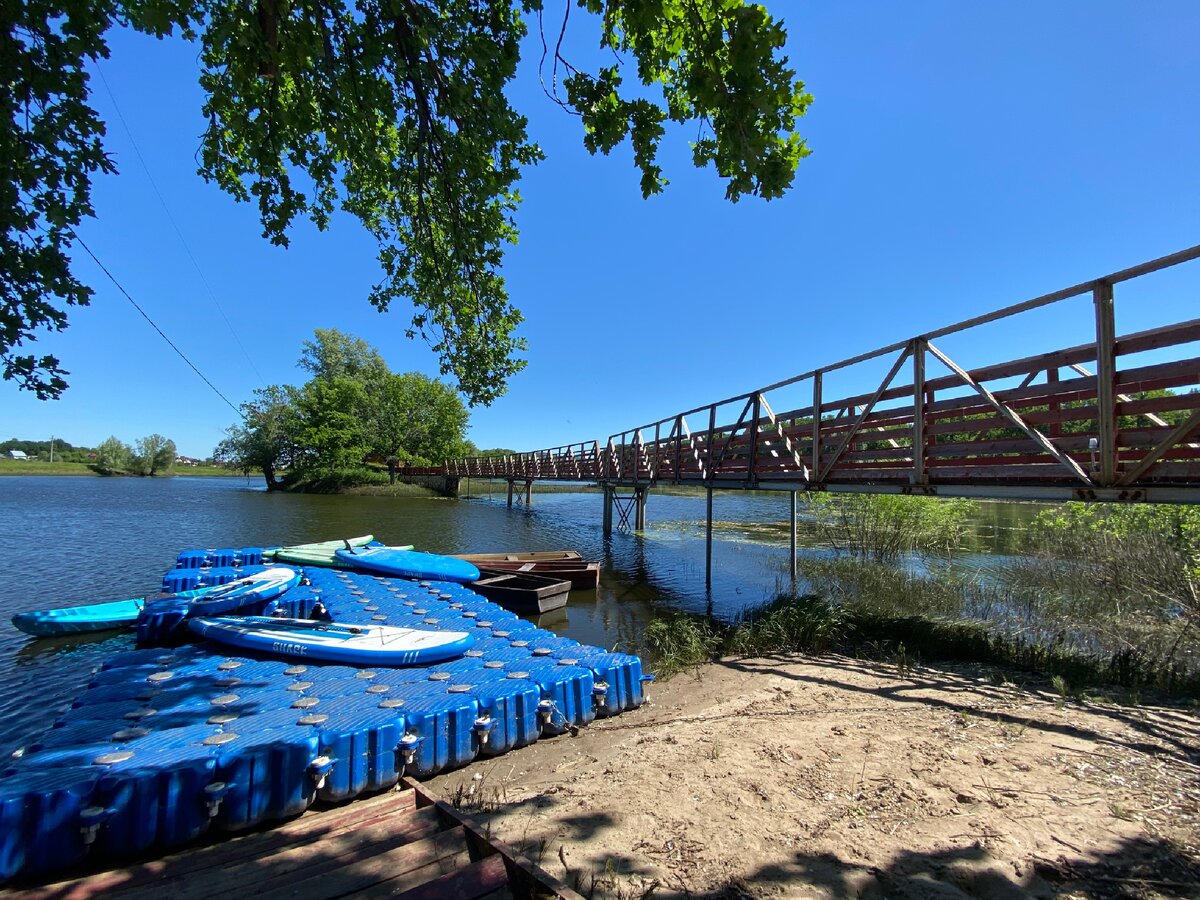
837, 777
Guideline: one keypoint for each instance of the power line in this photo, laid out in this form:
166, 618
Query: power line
153, 325
212, 295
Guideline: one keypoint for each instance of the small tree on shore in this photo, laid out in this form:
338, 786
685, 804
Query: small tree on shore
155, 454
113, 457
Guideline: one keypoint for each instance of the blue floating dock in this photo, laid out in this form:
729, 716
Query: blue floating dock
166, 744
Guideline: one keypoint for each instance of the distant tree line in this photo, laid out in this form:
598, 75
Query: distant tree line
151, 455
353, 412
63, 451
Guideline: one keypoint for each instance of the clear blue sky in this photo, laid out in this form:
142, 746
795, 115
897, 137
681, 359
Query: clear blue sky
965, 156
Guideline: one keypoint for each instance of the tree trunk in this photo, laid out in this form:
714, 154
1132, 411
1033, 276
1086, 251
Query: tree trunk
269, 475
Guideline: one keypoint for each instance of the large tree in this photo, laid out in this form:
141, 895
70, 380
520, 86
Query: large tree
394, 110
353, 408
335, 354
266, 438
417, 419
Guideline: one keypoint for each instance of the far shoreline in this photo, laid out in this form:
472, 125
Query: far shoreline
15, 468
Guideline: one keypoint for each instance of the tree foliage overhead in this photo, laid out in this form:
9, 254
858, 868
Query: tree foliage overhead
392, 110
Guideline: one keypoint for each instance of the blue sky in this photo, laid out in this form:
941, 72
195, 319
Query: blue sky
965, 157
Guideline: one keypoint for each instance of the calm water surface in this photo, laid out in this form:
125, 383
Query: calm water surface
73, 540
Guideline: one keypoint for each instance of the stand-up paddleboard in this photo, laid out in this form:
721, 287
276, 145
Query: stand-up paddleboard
92, 617
319, 553
408, 564
256, 588
370, 645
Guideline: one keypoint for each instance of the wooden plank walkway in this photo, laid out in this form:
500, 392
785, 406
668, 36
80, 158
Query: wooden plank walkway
407, 843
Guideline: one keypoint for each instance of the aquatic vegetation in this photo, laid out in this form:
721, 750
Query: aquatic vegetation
883, 526
807, 624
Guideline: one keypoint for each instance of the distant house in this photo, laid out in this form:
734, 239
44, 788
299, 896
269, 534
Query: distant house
188, 461
17, 454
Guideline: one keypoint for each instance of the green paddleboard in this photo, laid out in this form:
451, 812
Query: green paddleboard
321, 553
316, 554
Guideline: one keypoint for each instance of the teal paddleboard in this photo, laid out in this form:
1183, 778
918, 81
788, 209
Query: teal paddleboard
92, 617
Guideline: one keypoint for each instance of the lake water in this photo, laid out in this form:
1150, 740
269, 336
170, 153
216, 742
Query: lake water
74, 540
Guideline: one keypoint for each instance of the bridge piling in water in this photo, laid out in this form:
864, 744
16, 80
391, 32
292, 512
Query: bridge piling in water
528, 491
633, 504
792, 543
708, 540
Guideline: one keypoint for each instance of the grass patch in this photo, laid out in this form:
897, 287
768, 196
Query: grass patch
806, 624
337, 481
399, 489
36, 467
679, 642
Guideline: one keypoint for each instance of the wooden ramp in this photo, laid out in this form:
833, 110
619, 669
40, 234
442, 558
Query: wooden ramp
406, 843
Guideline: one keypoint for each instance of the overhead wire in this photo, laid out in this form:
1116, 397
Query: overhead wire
153, 324
212, 295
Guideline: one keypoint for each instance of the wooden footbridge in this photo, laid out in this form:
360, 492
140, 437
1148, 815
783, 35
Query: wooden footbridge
1115, 417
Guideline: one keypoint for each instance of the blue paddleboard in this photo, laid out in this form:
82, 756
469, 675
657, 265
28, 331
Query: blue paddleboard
368, 645
408, 564
256, 588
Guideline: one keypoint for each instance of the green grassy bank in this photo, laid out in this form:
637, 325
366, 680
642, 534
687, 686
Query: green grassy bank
37, 467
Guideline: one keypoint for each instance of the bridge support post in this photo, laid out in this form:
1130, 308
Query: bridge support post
528, 493
1106, 372
639, 521
510, 493
793, 541
608, 505
708, 542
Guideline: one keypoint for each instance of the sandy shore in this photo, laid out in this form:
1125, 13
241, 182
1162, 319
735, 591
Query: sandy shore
836, 777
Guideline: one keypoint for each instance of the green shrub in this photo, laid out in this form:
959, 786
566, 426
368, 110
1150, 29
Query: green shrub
806, 624
679, 642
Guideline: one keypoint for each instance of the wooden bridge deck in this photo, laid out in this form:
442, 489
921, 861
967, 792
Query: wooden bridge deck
405, 843
1115, 418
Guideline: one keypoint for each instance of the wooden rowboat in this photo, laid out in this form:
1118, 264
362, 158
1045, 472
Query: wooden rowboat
523, 556
583, 576
524, 594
